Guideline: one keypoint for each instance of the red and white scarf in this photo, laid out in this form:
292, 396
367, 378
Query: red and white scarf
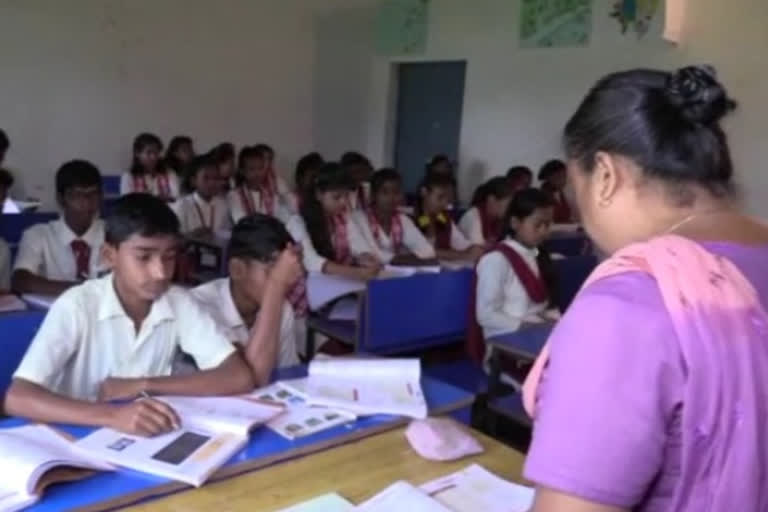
266, 198
396, 229
340, 239
163, 185
202, 217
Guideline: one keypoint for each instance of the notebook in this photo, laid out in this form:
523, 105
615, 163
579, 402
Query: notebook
34, 457
213, 430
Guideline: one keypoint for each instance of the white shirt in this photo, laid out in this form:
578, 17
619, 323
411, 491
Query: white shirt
384, 246
45, 250
5, 266
288, 198
216, 298
472, 226
314, 262
194, 213
502, 302
127, 184
458, 241
238, 210
87, 337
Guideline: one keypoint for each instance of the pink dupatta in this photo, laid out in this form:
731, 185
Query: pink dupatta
719, 322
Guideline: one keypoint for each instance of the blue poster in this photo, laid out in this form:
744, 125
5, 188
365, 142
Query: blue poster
402, 27
555, 23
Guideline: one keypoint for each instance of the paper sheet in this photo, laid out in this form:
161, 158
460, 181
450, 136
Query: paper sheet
325, 503
403, 496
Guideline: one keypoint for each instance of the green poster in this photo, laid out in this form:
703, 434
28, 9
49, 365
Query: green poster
555, 23
402, 27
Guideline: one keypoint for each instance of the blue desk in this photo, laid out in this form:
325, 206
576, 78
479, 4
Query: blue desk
571, 274
568, 243
18, 329
123, 487
525, 343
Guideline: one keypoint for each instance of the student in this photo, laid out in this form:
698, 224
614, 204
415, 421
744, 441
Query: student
203, 211
148, 172
359, 169
115, 338
6, 182
57, 255
180, 152
255, 193
440, 164
331, 241
482, 224
235, 302
553, 179
436, 223
306, 168
276, 181
513, 279
520, 177
224, 156
392, 234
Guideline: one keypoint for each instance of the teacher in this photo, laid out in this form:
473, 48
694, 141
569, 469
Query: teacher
652, 394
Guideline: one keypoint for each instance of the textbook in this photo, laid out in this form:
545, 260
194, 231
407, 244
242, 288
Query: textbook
34, 457
213, 430
365, 386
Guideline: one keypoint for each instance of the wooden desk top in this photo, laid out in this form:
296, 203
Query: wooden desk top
357, 471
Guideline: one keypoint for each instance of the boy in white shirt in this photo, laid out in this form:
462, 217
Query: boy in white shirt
57, 255
235, 302
115, 338
204, 211
392, 234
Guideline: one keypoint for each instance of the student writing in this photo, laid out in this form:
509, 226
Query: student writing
256, 192
482, 224
392, 234
331, 241
148, 172
203, 211
57, 255
115, 338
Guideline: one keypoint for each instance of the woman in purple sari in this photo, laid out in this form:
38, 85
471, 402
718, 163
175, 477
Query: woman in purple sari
653, 392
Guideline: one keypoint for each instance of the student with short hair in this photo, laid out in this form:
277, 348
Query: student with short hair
390, 233
520, 177
236, 302
482, 224
436, 223
6, 182
115, 338
148, 172
57, 255
553, 178
203, 210
276, 180
256, 192
224, 156
331, 241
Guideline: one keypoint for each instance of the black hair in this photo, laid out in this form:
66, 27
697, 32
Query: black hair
498, 187
246, 153
223, 152
381, 177
438, 159
141, 141
668, 124
258, 237
307, 163
330, 177
352, 158
6, 181
171, 160
431, 181
194, 166
77, 173
4, 142
518, 171
263, 149
551, 168
139, 214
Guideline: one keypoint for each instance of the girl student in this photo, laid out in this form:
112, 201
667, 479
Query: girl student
306, 168
203, 210
520, 177
553, 178
224, 158
360, 170
255, 191
148, 172
331, 241
436, 223
179, 153
392, 234
275, 180
482, 223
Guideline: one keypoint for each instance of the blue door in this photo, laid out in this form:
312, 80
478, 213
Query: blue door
429, 105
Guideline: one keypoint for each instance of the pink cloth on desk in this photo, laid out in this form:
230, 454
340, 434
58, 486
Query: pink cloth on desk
654, 394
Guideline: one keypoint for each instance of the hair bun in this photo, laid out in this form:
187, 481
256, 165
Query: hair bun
698, 95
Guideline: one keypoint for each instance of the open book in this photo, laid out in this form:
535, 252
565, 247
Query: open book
213, 430
367, 386
33, 457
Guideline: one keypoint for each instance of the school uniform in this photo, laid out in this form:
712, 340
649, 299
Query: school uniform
502, 301
353, 246
165, 185
403, 236
54, 252
244, 201
359, 198
195, 213
477, 229
287, 196
5, 266
216, 298
440, 231
87, 337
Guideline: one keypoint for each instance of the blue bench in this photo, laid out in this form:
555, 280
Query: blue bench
12, 226
18, 330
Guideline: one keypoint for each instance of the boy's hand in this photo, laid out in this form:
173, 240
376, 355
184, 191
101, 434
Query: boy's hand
288, 268
146, 417
120, 389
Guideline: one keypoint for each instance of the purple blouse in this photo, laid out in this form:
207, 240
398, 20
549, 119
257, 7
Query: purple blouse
608, 421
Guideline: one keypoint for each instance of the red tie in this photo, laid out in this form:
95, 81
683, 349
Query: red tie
82, 252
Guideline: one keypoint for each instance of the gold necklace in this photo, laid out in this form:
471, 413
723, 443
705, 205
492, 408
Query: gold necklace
690, 218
